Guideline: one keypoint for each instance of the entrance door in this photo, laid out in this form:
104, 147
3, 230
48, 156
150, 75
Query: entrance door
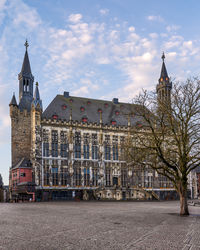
123, 195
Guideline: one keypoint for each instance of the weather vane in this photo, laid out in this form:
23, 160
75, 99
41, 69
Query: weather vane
26, 44
163, 56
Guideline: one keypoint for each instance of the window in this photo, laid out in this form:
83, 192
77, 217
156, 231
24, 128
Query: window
54, 149
64, 106
46, 149
65, 176
94, 147
86, 151
55, 116
115, 152
108, 177
107, 152
86, 176
64, 150
115, 147
54, 144
107, 147
84, 119
46, 174
22, 174
82, 109
54, 176
77, 177
123, 177
77, 145
64, 146
99, 110
86, 145
94, 177
113, 122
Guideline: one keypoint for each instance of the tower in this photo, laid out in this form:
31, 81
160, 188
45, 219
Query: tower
26, 80
21, 114
164, 85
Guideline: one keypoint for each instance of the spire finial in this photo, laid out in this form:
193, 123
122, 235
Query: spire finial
163, 56
26, 44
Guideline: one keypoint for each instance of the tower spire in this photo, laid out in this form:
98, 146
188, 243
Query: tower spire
37, 102
26, 80
164, 85
163, 74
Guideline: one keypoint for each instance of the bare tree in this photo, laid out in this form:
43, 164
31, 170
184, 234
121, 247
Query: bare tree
169, 140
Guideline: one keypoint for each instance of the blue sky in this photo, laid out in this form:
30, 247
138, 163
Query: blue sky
97, 49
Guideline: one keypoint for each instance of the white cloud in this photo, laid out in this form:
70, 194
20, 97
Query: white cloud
104, 12
131, 29
155, 18
171, 28
22, 14
75, 18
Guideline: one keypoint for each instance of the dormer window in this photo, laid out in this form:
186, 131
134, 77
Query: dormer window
88, 102
113, 122
55, 116
82, 109
161, 79
106, 105
99, 110
71, 100
84, 119
64, 106
139, 125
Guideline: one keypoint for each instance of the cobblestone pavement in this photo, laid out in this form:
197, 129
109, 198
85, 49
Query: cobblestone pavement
98, 225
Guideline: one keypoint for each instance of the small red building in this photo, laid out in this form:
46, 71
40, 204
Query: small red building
22, 186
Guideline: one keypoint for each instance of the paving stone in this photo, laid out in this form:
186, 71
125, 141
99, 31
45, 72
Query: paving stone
98, 225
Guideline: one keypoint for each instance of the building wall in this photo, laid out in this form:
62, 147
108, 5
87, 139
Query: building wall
20, 175
110, 176
20, 134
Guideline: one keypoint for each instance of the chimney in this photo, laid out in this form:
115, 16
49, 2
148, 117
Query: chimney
66, 94
115, 100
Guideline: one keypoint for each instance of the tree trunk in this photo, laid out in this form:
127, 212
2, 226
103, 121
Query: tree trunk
183, 202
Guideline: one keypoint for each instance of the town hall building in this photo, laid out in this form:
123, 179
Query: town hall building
74, 149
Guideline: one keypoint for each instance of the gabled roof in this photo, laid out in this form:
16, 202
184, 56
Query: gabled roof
61, 107
23, 163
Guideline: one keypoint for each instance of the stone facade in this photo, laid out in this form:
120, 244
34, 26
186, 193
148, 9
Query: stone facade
76, 146
20, 134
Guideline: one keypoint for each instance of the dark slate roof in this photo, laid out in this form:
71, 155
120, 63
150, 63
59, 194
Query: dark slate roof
163, 73
25, 102
197, 169
13, 101
119, 112
23, 163
26, 68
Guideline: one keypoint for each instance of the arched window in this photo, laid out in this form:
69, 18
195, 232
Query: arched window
27, 87
24, 85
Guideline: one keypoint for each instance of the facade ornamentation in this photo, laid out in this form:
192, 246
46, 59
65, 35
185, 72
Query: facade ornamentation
75, 148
